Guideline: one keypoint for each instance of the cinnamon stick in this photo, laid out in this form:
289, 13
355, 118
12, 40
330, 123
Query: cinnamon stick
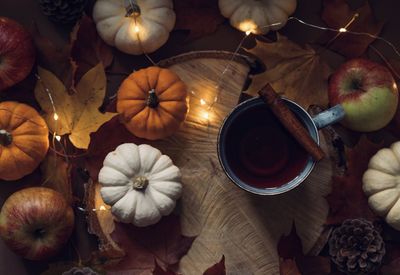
290, 122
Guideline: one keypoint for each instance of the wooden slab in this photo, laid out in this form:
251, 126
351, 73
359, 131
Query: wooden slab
228, 221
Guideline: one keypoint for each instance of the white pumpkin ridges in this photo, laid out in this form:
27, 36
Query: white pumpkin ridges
393, 217
395, 147
163, 17
228, 7
125, 208
154, 37
112, 194
288, 6
376, 181
108, 28
383, 201
163, 203
385, 161
170, 188
105, 8
141, 202
146, 213
172, 173
126, 39
129, 152
154, 4
148, 156
161, 164
110, 177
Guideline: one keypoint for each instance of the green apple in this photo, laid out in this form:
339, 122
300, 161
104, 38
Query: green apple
367, 92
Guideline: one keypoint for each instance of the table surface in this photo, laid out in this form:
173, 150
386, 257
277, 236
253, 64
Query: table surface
225, 38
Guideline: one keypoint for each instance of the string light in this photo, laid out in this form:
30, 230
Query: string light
55, 116
57, 137
203, 102
342, 30
136, 29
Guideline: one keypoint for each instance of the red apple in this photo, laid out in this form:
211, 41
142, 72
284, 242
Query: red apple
367, 92
36, 222
17, 53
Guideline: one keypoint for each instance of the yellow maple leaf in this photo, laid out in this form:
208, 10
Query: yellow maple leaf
294, 71
78, 113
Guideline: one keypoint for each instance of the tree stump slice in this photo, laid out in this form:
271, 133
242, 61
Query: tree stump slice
227, 220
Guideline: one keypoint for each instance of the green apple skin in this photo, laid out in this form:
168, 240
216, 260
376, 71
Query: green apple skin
367, 92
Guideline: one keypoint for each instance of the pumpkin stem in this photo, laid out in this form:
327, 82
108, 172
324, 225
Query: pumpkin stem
132, 8
152, 100
140, 183
5, 138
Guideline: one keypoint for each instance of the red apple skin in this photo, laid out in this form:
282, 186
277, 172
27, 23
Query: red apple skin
36, 222
17, 53
367, 92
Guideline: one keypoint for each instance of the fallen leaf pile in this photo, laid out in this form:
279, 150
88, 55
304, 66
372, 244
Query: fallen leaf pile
200, 17
295, 71
338, 14
78, 113
347, 199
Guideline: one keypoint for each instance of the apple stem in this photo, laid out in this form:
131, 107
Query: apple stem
5, 138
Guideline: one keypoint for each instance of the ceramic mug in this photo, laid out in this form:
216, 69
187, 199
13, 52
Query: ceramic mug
312, 124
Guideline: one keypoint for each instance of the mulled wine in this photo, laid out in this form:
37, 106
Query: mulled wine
261, 152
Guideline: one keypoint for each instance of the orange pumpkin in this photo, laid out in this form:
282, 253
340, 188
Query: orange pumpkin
152, 102
24, 140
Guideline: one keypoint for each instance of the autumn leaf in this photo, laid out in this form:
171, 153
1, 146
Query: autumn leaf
55, 58
69, 62
162, 242
294, 262
347, 199
102, 143
88, 49
217, 269
57, 175
337, 14
296, 72
78, 114
200, 17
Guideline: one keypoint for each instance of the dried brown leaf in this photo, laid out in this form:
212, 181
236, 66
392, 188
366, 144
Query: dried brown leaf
337, 14
294, 71
217, 269
200, 17
57, 175
347, 199
78, 113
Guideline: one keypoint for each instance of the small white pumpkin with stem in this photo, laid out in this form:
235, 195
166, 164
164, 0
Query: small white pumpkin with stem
381, 183
257, 16
140, 184
134, 26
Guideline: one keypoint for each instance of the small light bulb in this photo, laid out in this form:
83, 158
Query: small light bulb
55, 116
202, 102
248, 32
136, 29
206, 115
342, 30
58, 138
102, 208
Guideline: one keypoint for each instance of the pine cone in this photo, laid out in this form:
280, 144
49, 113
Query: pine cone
63, 11
356, 247
80, 271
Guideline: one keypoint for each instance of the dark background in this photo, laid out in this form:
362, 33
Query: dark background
225, 38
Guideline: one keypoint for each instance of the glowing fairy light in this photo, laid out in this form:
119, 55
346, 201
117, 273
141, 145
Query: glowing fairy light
206, 115
342, 30
58, 138
203, 102
248, 32
55, 117
102, 208
136, 29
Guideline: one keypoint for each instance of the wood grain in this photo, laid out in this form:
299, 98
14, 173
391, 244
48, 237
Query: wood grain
229, 221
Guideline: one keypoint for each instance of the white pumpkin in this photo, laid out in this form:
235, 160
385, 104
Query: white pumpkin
255, 15
134, 26
381, 183
139, 183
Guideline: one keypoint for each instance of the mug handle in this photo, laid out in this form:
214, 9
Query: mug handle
328, 117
